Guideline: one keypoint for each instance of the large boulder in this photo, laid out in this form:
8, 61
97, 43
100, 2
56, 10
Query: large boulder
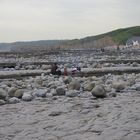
40, 93
3, 94
72, 93
13, 100
19, 93
74, 85
99, 91
89, 86
11, 91
2, 102
119, 85
60, 91
27, 96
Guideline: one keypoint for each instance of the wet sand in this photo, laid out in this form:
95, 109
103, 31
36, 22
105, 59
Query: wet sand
78, 118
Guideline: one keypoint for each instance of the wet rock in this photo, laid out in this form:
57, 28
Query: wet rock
2, 102
60, 91
13, 100
3, 94
19, 93
99, 91
27, 96
72, 93
74, 85
89, 86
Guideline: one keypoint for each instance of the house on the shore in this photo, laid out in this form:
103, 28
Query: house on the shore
133, 42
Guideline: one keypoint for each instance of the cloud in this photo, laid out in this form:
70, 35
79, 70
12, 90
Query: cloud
56, 19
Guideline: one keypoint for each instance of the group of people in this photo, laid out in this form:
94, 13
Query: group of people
56, 71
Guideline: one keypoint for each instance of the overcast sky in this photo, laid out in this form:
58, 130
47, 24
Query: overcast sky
22, 20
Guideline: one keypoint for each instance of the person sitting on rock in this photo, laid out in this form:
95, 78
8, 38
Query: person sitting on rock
55, 70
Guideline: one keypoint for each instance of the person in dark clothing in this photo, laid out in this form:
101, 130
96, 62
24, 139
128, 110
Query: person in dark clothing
54, 70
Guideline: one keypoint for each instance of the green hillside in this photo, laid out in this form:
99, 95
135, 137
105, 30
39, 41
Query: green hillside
119, 36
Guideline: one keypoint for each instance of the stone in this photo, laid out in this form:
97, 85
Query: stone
3, 94
74, 85
72, 93
55, 113
67, 80
2, 102
38, 81
89, 86
27, 96
134, 64
60, 91
19, 93
118, 86
40, 93
11, 91
99, 91
137, 86
45, 67
13, 100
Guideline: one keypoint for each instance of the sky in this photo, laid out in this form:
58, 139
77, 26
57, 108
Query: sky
27, 20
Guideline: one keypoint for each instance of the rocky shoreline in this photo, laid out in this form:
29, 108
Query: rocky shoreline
50, 107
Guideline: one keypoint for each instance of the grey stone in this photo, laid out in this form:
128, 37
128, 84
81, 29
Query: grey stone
27, 96
118, 86
72, 93
2, 102
19, 93
74, 85
3, 94
40, 93
13, 100
12, 91
60, 91
99, 91
89, 86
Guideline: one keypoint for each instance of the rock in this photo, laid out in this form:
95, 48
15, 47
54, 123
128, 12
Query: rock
19, 93
137, 86
3, 94
27, 96
55, 113
134, 64
67, 80
46, 67
2, 102
53, 92
13, 100
12, 91
40, 93
118, 86
89, 86
99, 91
112, 94
38, 81
72, 93
60, 91
74, 85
